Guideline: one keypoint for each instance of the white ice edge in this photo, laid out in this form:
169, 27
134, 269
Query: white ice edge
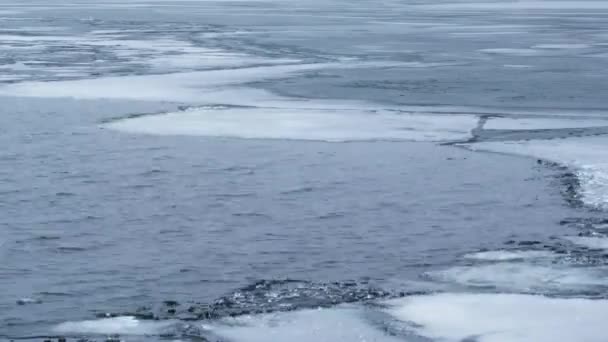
586, 156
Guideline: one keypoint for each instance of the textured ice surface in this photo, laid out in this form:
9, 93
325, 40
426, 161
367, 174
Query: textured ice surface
341, 324
502, 317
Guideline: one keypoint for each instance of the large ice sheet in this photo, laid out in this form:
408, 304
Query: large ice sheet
587, 156
542, 123
302, 124
194, 87
502, 317
341, 324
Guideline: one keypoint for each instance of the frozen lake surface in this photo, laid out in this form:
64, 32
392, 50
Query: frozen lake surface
303, 170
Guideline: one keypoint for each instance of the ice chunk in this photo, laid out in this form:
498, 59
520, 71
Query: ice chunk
125, 325
502, 317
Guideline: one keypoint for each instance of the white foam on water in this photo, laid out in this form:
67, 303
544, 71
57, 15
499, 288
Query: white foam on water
542, 123
525, 277
511, 52
339, 324
562, 46
302, 124
452, 317
506, 255
593, 242
125, 325
587, 156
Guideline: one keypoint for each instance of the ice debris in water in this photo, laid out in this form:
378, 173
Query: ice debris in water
26, 301
263, 297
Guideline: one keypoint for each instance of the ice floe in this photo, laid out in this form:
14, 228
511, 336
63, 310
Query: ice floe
324, 124
125, 325
502, 317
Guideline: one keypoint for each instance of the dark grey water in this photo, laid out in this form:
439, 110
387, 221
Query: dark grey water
262, 159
